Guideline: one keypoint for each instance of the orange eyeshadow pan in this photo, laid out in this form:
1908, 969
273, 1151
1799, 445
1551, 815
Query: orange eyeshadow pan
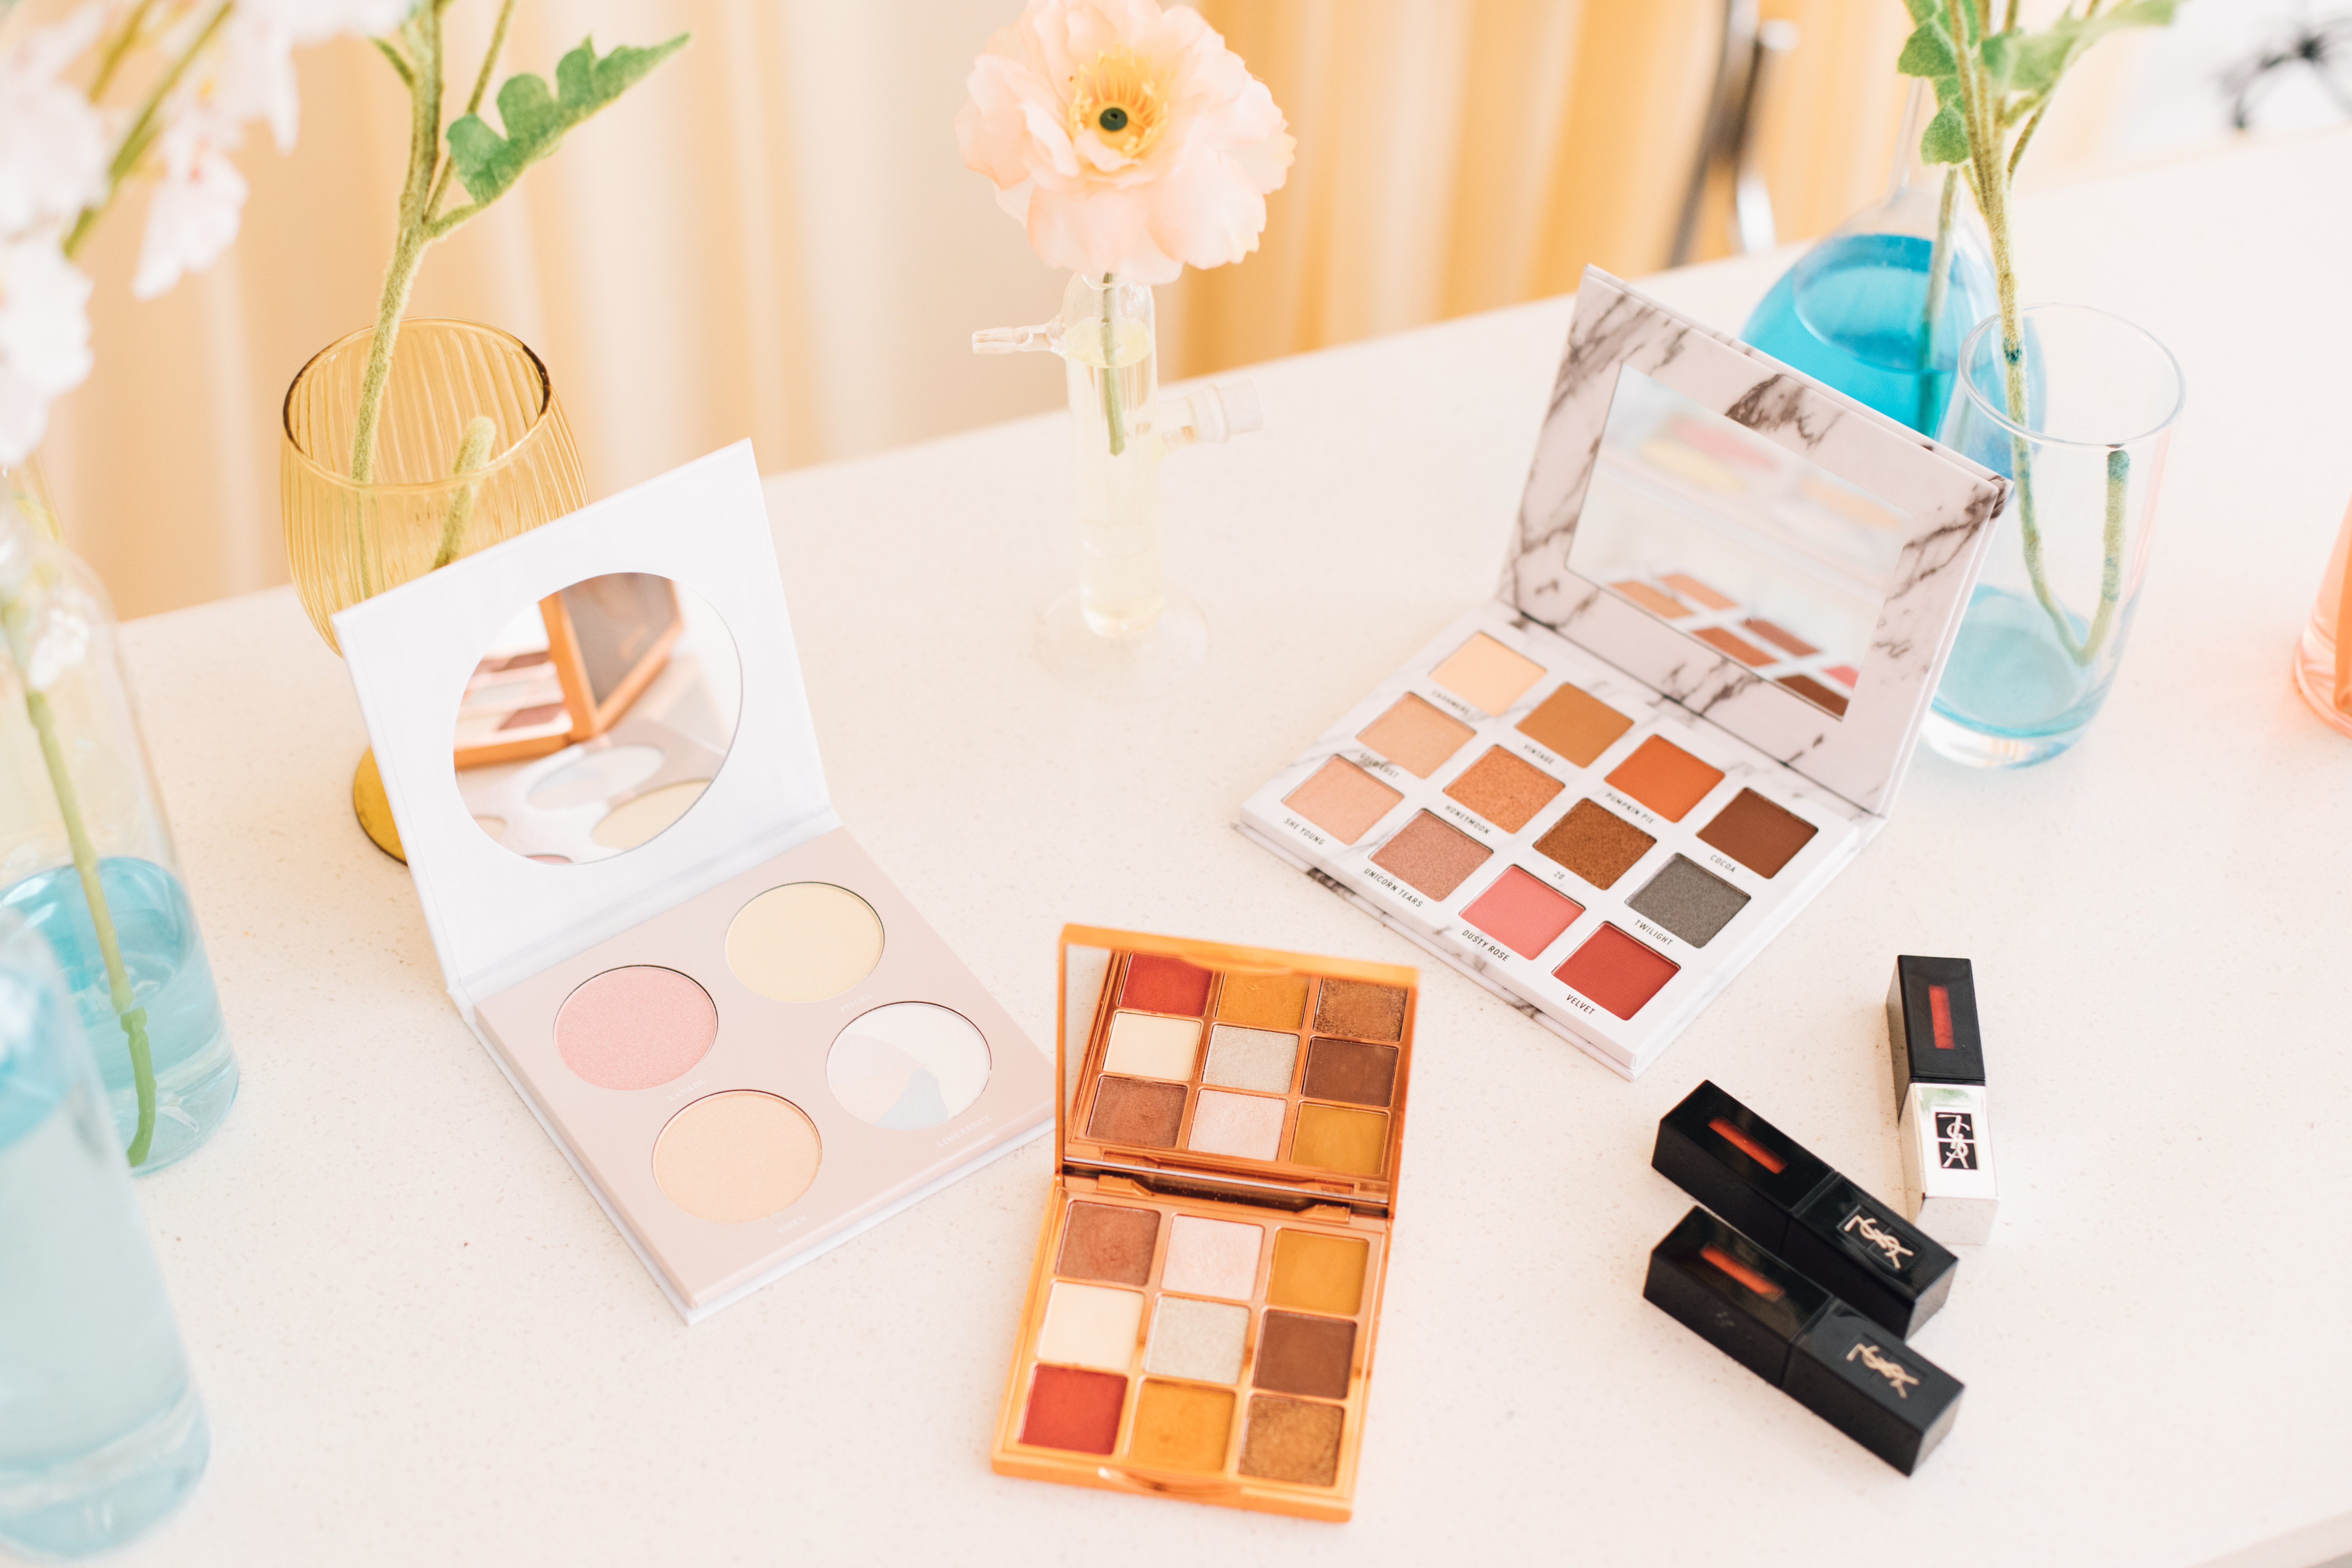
1665, 778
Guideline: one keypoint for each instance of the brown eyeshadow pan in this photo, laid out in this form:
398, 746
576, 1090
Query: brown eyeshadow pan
1105, 1242
1133, 1111
1760, 835
1504, 789
1299, 1354
1292, 1440
1415, 735
1360, 1010
1431, 857
1351, 1071
1595, 843
1576, 725
1732, 643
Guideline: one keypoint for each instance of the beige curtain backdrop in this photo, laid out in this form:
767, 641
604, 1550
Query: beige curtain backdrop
775, 236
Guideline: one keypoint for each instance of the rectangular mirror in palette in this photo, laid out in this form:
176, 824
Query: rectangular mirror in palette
1601, 793
1202, 1312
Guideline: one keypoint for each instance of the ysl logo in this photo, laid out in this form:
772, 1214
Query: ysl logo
1893, 1371
1956, 1140
1893, 1254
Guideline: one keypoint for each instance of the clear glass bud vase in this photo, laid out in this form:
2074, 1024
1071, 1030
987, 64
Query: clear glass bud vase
85, 855
1122, 632
2045, 627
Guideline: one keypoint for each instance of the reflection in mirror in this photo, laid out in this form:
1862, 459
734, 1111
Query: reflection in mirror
1084, 971
597, 718
1737, 541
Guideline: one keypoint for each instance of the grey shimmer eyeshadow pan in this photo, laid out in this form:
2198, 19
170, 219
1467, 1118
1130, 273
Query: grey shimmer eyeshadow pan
1689, 900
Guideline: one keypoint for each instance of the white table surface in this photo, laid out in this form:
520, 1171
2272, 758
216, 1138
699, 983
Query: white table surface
421, 1341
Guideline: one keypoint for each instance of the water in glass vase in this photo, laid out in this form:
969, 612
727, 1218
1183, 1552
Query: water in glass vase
164, 954
1121, 582
101, 1431
1850, 314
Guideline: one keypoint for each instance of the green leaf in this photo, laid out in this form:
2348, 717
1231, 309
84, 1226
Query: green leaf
2037, 61
1923, 11
1947, 138
2041, 60
1999, 54
536, 119
1948, 92
1927, 52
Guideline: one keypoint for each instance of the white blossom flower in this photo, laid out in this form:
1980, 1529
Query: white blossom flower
44, 337
52, 142
192, 215
251, 72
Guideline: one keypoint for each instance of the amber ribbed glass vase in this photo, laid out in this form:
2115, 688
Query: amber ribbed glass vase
347, 542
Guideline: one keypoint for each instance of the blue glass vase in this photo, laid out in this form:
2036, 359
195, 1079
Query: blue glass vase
101, 1432
1854, 312
86, 859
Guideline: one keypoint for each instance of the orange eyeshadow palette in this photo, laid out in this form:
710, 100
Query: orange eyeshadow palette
1207, 1287
1601, 793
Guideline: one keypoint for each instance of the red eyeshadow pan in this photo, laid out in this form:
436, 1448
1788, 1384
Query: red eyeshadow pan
1157, 985
1522, 914
1617, 971
1075, 1410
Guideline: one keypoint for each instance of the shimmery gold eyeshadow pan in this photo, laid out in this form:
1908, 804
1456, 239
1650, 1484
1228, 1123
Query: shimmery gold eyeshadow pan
1601, 793
1200, 1322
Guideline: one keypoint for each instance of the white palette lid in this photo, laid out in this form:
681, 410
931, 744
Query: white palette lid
1951, 503
497, 917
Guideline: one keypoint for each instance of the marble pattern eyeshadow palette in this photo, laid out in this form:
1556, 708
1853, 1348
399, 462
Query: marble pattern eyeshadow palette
1603, 793
1201, 1312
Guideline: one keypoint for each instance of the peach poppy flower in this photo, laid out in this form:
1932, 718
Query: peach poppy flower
1125, 138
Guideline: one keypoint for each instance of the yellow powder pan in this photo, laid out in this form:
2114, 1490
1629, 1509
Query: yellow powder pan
1207, 1285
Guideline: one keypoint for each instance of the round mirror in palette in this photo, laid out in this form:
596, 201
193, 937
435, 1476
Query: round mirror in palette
597, 718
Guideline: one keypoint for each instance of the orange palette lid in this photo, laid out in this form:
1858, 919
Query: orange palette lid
1231, 1071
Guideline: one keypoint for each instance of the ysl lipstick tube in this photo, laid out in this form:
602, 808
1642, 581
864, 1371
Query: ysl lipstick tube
1773, 1188
1796, 1336
1938, 1052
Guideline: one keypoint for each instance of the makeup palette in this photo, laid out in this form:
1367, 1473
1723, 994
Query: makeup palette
1603, 793
1207, 1287
749, 1044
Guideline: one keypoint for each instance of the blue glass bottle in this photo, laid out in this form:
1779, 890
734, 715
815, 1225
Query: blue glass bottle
1852, 312
79, 815
101, 1432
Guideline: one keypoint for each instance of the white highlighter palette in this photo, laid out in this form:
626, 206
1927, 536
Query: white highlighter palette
749, 1044
1603, 793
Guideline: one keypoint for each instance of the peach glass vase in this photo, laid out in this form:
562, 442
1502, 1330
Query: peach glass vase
346, 541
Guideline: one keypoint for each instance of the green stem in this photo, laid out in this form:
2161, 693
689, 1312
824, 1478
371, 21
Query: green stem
141, 136
409, 244
85, 860
133, 27
1940, 274
473, 451
1110, 364
474, 100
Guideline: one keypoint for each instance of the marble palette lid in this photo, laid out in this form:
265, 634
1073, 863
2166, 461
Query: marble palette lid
1769, 553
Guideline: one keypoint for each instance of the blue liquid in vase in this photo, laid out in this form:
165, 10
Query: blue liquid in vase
163, 954
1849, 313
